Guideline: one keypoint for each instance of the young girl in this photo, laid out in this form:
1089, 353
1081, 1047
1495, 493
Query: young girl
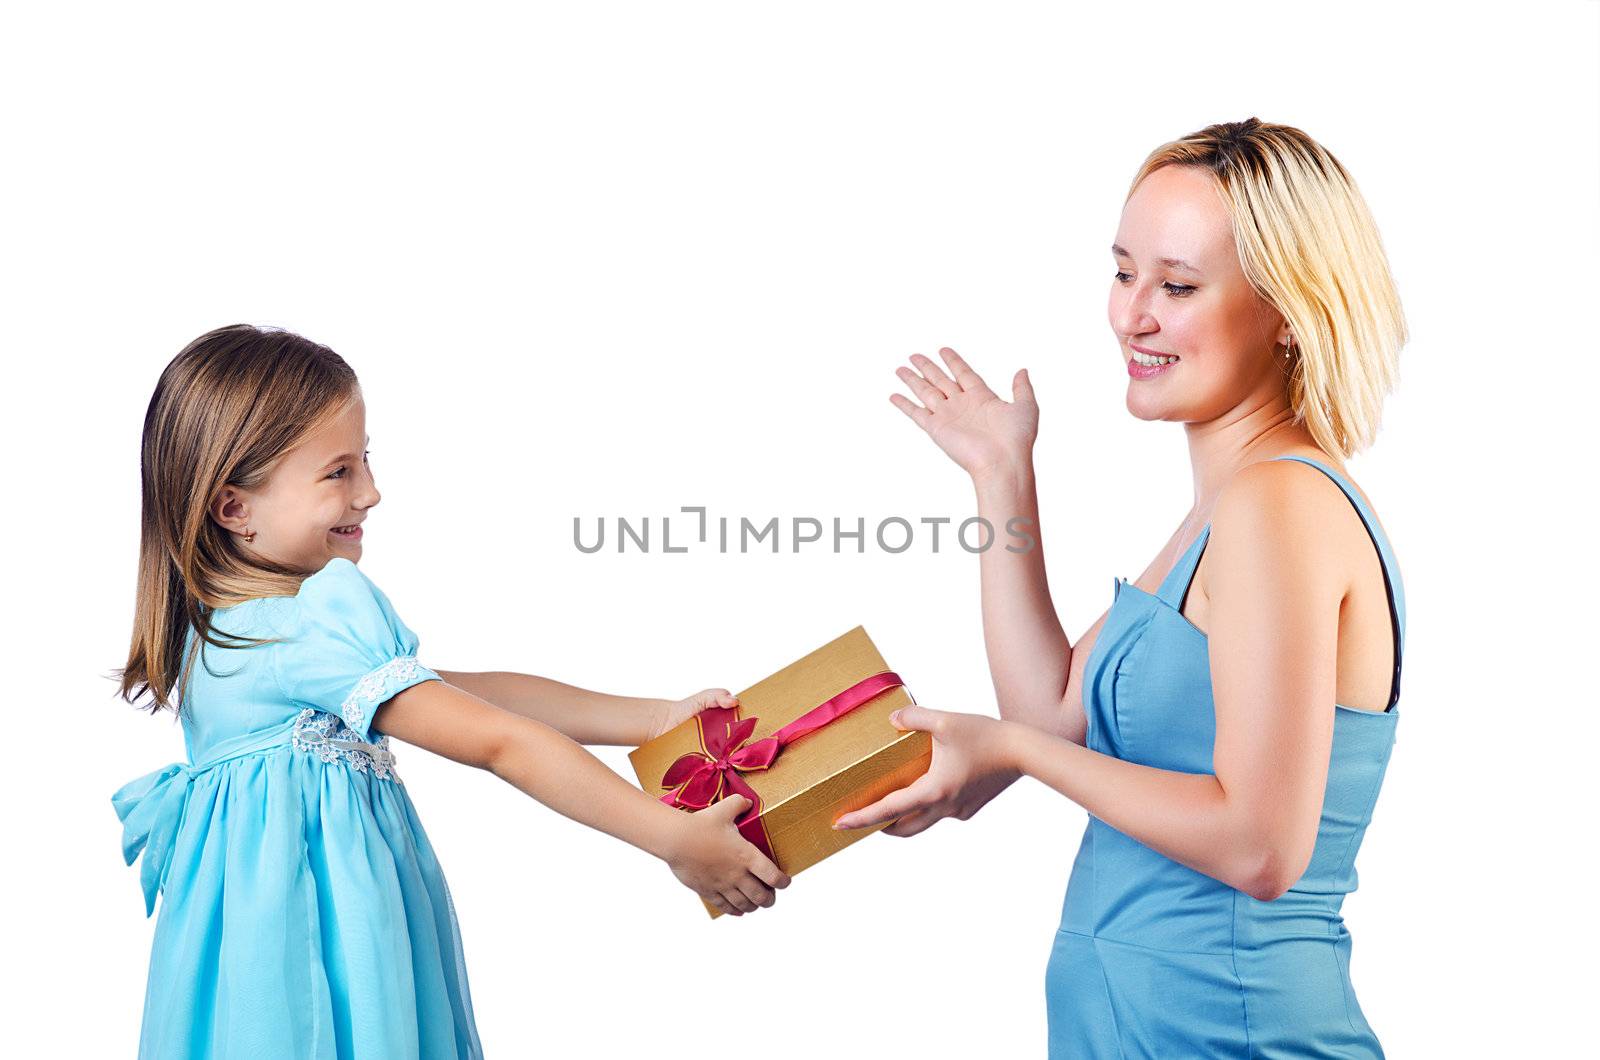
304, 912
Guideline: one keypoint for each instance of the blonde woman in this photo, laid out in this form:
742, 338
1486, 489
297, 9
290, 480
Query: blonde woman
1228, 721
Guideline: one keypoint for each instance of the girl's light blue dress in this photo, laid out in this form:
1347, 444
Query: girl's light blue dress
303, 912
1154, 959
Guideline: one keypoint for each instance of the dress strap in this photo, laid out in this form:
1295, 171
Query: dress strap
1175, 586
1391, 569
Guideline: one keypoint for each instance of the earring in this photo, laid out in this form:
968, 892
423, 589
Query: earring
249, 536
1288, 347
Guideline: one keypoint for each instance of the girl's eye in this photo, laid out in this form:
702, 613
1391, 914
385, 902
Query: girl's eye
1177, 290
339, 472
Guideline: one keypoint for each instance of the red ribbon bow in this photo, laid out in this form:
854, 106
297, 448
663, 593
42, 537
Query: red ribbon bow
699, 778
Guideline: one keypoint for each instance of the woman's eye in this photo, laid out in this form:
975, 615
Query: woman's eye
1177, 290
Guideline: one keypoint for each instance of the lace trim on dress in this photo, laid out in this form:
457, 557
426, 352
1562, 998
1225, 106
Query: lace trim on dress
373, 688
326, 736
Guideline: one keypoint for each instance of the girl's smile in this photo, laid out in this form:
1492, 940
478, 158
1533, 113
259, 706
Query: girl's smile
328, 476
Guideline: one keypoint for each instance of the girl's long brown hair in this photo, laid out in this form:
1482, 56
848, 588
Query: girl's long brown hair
226, 410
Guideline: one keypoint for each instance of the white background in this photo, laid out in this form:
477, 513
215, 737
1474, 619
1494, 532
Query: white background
610, 260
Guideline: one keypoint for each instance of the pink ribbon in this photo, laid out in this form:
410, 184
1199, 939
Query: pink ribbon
699, 778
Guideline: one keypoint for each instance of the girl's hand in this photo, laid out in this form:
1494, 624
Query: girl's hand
725, 868
978, 430
671, 713
972, 763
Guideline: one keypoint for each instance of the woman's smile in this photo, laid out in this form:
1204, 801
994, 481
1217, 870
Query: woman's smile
1146, 364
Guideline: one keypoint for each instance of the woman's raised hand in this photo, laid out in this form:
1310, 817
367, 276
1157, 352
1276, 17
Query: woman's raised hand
978, 429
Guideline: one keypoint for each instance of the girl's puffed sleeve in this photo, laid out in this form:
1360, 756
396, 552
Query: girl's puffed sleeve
350, 652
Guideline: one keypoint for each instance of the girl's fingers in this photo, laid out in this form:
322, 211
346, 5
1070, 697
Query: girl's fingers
718, 697
935, 375
767, 872
919, 415
727, 810
926, 392
737, 899
963, 373
758, 892
720, 904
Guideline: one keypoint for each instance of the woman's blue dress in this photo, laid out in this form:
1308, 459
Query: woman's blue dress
303, 912
1155, 959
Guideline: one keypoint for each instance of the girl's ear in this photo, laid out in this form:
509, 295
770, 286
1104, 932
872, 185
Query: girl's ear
230, 509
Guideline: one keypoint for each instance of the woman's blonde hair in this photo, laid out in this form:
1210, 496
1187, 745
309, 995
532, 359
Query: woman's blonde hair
1309, 246
226, 410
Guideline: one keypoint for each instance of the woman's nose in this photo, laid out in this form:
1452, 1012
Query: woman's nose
1130, 312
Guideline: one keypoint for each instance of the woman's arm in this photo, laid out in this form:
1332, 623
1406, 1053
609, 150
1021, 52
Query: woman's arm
1030, 659
703, 849
1273, 612
1186, 816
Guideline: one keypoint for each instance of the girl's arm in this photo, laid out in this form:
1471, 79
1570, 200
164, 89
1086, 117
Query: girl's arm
585, 716
1030, 658
704, 850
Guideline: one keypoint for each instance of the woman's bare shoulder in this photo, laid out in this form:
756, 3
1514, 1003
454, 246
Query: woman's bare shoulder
1286, 510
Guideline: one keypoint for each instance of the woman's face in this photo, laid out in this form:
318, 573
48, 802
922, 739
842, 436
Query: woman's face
1180, 291
323, 483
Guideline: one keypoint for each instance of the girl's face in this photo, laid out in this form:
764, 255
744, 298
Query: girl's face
1179, 291
320, 485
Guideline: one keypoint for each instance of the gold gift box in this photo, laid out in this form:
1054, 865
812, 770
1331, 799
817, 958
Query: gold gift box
851, 762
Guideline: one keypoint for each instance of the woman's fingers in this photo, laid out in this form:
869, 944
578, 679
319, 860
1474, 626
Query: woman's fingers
892, 805
935, 375
964, 376
926, 392
916, 717
914, 822
722, 905
736, 898
917, 414
1022, 389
